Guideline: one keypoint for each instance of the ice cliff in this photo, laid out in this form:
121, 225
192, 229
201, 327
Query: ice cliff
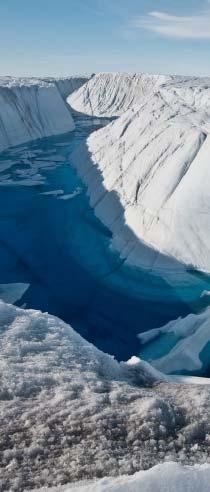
33, 108
148, 177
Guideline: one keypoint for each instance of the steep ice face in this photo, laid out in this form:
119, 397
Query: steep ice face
70, 412
111, 94
148, 177
33, 108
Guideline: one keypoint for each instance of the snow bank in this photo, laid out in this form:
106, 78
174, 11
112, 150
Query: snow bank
148, 177
191, 336
70, 412
111, 94
33, 108
169, 477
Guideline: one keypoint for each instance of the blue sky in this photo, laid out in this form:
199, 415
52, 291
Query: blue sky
60, 37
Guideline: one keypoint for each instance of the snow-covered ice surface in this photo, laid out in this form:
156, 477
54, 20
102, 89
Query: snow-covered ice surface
168, 477
70, 412
148, 178
34, 108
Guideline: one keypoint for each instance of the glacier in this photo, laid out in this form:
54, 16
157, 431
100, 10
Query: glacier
70, 412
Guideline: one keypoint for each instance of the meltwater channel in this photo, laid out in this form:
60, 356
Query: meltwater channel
55, 254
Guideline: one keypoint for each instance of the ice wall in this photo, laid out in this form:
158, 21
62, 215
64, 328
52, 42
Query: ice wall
32, 108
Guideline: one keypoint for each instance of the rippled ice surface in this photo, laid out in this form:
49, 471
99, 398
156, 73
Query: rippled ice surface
55, 255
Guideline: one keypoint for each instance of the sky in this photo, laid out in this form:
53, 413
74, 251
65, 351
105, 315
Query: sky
63, 37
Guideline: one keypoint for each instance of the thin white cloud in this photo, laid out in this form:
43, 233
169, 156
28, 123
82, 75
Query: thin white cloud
183, 27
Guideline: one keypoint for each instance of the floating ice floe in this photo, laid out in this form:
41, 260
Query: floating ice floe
181, 346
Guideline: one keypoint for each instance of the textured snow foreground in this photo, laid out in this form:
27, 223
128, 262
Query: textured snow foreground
70, 412
169, 477
34, 108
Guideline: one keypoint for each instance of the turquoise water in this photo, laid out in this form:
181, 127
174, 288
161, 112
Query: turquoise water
51, 240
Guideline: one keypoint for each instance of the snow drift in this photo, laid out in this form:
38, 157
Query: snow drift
70, 412
148, 177
33, 108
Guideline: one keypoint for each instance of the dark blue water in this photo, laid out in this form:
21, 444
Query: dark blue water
51, 240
